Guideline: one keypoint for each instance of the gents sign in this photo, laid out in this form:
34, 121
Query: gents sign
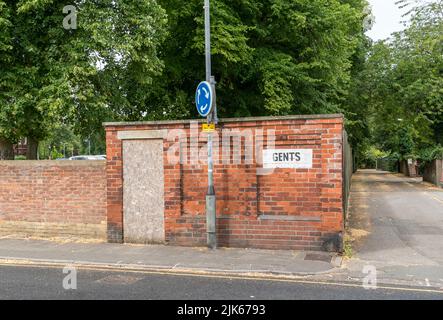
288, 158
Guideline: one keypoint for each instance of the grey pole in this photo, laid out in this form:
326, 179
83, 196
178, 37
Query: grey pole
210, 196
208, 40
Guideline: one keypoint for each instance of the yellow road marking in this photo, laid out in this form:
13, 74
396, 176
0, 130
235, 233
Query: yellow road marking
438, 199
210, 275
433, 197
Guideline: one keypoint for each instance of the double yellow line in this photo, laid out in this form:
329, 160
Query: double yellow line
433, 197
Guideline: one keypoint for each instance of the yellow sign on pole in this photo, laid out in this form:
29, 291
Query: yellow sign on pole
208, 127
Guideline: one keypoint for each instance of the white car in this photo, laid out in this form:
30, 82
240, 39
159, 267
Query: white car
101, 157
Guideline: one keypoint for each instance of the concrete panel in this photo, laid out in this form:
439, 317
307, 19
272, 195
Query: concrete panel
143, 191
142, 134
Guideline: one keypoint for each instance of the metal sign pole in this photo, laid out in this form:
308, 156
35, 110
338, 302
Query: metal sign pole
208, 40
210, 196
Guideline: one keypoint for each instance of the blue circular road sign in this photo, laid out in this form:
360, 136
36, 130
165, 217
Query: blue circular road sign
204, 98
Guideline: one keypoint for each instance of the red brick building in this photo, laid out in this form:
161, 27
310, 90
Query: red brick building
279, 182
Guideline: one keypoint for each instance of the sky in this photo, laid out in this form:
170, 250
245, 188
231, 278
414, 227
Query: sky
387, 19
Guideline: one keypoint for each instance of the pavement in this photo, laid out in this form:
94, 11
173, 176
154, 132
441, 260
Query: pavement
167, 258
397, 225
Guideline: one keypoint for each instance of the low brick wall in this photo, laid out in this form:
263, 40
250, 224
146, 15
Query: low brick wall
288, 209
53, 199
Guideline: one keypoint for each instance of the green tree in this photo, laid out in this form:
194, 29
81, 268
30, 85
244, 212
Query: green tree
83, 76
355, 106
6, 151
400, 86
418, 74
272, 57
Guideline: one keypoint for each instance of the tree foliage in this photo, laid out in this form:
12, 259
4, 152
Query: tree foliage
401, 86
82, 76
272, 57
141, 59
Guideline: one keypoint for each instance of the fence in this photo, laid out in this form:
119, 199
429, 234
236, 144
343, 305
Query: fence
433, 172
348, 170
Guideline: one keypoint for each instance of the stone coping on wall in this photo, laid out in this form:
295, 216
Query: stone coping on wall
228, 120
52, 163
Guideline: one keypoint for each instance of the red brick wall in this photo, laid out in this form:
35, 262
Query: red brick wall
288, 209
53, 198
407, 169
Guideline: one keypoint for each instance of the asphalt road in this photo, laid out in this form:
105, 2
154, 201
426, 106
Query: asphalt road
18, 282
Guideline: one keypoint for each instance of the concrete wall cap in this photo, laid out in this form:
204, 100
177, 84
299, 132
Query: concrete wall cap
53, 163
229, 120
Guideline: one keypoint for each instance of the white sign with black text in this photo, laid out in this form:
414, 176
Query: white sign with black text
288, 158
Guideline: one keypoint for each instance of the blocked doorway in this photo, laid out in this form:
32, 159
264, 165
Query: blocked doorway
143, 191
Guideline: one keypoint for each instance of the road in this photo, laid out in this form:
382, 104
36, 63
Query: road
398, 224
21, 282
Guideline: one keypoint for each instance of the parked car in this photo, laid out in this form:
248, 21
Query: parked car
85, 157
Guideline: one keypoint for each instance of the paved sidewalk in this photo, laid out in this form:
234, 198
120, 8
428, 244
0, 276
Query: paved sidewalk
168, 258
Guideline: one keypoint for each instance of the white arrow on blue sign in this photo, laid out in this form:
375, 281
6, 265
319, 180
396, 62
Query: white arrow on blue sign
204, 98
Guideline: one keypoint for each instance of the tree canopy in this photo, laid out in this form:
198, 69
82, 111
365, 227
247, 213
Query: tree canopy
142, 59
272, 57
401, 86
82, 76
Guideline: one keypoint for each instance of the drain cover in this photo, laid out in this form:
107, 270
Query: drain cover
119, 280
318, 257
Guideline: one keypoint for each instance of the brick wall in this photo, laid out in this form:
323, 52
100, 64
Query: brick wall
53, 199
288, 209
409, 169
